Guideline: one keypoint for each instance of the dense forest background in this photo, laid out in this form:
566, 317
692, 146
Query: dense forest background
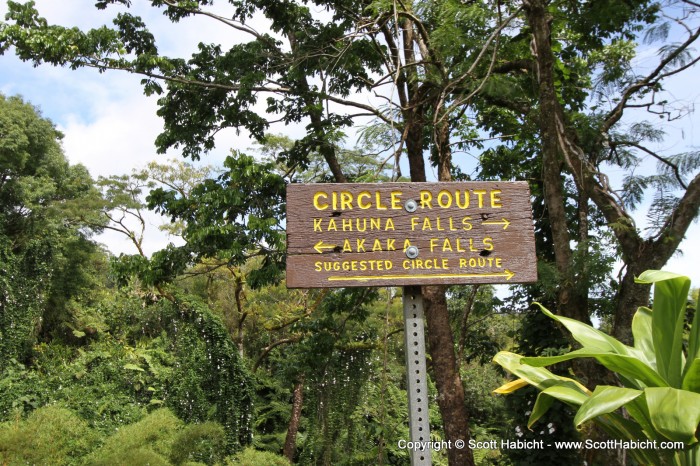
197, 353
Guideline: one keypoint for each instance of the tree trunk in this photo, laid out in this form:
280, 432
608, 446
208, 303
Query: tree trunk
572, 300
455, 417
290, 442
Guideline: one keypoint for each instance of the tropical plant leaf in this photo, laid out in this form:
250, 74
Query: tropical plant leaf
630, 367
641, 331
538, 377
510, 387
691, 379
605, 399
693, 342
674, 413
542, 405
566, 392
588, 336
668, 312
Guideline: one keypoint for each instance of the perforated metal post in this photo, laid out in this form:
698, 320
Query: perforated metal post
416, 374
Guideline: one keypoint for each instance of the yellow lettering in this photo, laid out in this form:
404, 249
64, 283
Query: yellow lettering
444, 263
346, 246
395, 199
317, 266
389, 225
488, 244
471, 245
446, 245
377, 246
498, 262
426, 224
466, 226
414, 222
406, 245
335, 200
375, 223
347, 224
495, 199
438, 224
452, 228
319, 205
459, 246
426, 199
377, 196
433, 244
480, 194
364, 224
462, 262
360, 245
466, 200
345, 201
362, 205
390, 244
444, 199
332, 225
317, 224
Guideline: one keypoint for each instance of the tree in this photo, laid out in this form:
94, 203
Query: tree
561, 133
48, 259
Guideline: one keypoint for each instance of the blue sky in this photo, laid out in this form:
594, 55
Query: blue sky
110, 126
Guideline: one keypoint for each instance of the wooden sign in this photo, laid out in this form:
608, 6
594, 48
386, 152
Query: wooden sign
397, 234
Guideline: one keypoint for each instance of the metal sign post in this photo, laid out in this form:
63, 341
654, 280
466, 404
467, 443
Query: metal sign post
416, 374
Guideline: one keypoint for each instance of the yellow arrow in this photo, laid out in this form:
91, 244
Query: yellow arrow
320, 246
361, 278
503, 222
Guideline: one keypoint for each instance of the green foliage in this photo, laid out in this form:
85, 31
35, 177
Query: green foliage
46, 260
153, 436
162, 354
660, 392
253, 457
57, 436
50, 435
229, 218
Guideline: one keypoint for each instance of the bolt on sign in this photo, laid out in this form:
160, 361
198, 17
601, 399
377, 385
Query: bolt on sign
402, 234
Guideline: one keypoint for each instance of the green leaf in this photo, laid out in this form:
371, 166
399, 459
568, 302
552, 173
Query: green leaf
693, 342
566, 392
691, 379
674, 413
668, 312
628, 366
133, 367
538, 377
542, 405
642, 333
588, 336
605, 399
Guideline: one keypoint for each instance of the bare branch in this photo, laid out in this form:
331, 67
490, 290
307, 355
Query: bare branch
673, 166
651, 79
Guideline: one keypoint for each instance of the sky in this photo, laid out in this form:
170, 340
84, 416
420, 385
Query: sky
110, 126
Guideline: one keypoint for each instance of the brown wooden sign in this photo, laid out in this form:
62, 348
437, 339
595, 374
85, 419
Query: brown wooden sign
397, 234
